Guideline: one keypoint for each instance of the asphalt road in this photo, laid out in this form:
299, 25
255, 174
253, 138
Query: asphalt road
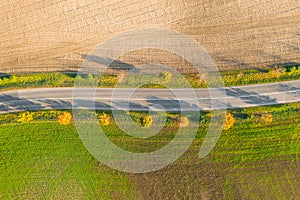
154, 99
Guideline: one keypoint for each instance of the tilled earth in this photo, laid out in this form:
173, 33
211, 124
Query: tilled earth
55, 35
270, 179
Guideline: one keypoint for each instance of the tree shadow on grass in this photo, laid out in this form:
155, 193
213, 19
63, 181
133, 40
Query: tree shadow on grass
4, 75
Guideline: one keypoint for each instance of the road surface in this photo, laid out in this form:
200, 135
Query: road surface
145, 99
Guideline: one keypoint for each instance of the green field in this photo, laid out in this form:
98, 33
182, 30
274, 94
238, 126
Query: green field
252, 160
44, 160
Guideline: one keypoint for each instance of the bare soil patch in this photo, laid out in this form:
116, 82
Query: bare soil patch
52, 35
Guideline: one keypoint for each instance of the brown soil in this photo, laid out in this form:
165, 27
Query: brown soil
52, 35
271, 179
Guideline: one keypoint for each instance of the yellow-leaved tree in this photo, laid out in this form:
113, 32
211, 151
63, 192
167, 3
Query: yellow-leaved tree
184, 121
25, 117
167, 76
266, 117
64, 118
104, 119
229, 121
146, 121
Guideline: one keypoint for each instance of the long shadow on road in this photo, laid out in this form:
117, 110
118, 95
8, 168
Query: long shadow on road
14, 103
250, 97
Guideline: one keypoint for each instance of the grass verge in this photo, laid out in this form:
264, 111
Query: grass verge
230, 78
